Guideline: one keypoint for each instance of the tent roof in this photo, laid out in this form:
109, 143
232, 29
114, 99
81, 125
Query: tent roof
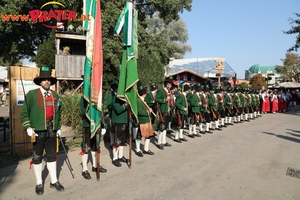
289, 85
201, 66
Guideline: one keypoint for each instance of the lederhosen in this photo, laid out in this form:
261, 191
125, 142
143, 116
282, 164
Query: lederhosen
206, 112
46, 139
222, 109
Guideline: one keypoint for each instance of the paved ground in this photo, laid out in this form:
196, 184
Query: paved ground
245, 161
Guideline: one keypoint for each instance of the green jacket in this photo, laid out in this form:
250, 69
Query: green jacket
149, 99
236, 100
221, 101
195, 103
119, 111
228, 101
143, 112
161, 99
212, 101
242, 100
109, 100
33, 111
204, 106
181, 103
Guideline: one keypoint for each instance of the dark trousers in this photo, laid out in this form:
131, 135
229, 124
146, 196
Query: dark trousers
44, 142
121, 134
88, 143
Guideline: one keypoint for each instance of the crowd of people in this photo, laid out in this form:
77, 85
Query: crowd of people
188, 111
198, 109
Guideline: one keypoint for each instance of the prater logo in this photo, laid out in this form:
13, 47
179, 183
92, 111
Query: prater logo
45, 16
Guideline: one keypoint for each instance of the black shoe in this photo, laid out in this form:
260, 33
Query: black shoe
116, 163
139, 154
183, 139
224, 126
191, 136
160, 146
170, 131
202, 132
208, 132
86, 175
177, 140
197, 135
167, 144
57, 186
39, 189
219, 129
94, 169
148, 152
123, 159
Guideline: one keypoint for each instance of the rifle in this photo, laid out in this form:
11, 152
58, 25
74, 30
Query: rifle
146, 105
179, 122
213, 113
130, 135
98, 154
67, 158
198, 117
32, 139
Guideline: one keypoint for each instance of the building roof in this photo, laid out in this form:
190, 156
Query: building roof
263, 69
201, 66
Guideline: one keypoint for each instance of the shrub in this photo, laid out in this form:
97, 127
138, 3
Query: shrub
71, 114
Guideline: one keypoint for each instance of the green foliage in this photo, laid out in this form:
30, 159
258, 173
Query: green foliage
71, 114
46, 52
243, 85
21, 39
294, 30
258, 81
291, 67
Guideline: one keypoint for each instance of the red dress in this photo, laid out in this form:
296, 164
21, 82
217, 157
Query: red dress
274, 103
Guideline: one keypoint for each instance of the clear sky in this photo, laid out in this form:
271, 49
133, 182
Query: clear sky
243, 32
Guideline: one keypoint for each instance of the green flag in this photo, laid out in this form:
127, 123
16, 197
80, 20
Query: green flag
93, 68
127, 90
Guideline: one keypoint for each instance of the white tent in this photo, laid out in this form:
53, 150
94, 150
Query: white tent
201, 66
289, 85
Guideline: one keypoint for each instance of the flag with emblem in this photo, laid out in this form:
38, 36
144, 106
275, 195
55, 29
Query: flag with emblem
127, 90
93, 67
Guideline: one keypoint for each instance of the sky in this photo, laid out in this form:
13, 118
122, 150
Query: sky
245, 33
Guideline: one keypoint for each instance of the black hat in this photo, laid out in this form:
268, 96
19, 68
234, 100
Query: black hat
153, 86
169, 80
186, 88
206, 88
45, 73
221, 88
142, 90
198, 87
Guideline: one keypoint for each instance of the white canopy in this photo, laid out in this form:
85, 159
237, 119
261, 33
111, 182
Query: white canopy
289, 85
201, 66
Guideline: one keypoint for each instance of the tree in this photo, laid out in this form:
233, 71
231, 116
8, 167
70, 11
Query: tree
20, 39
46, 53
291, 67
243, 85
160, 42
258, 81
294, 30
